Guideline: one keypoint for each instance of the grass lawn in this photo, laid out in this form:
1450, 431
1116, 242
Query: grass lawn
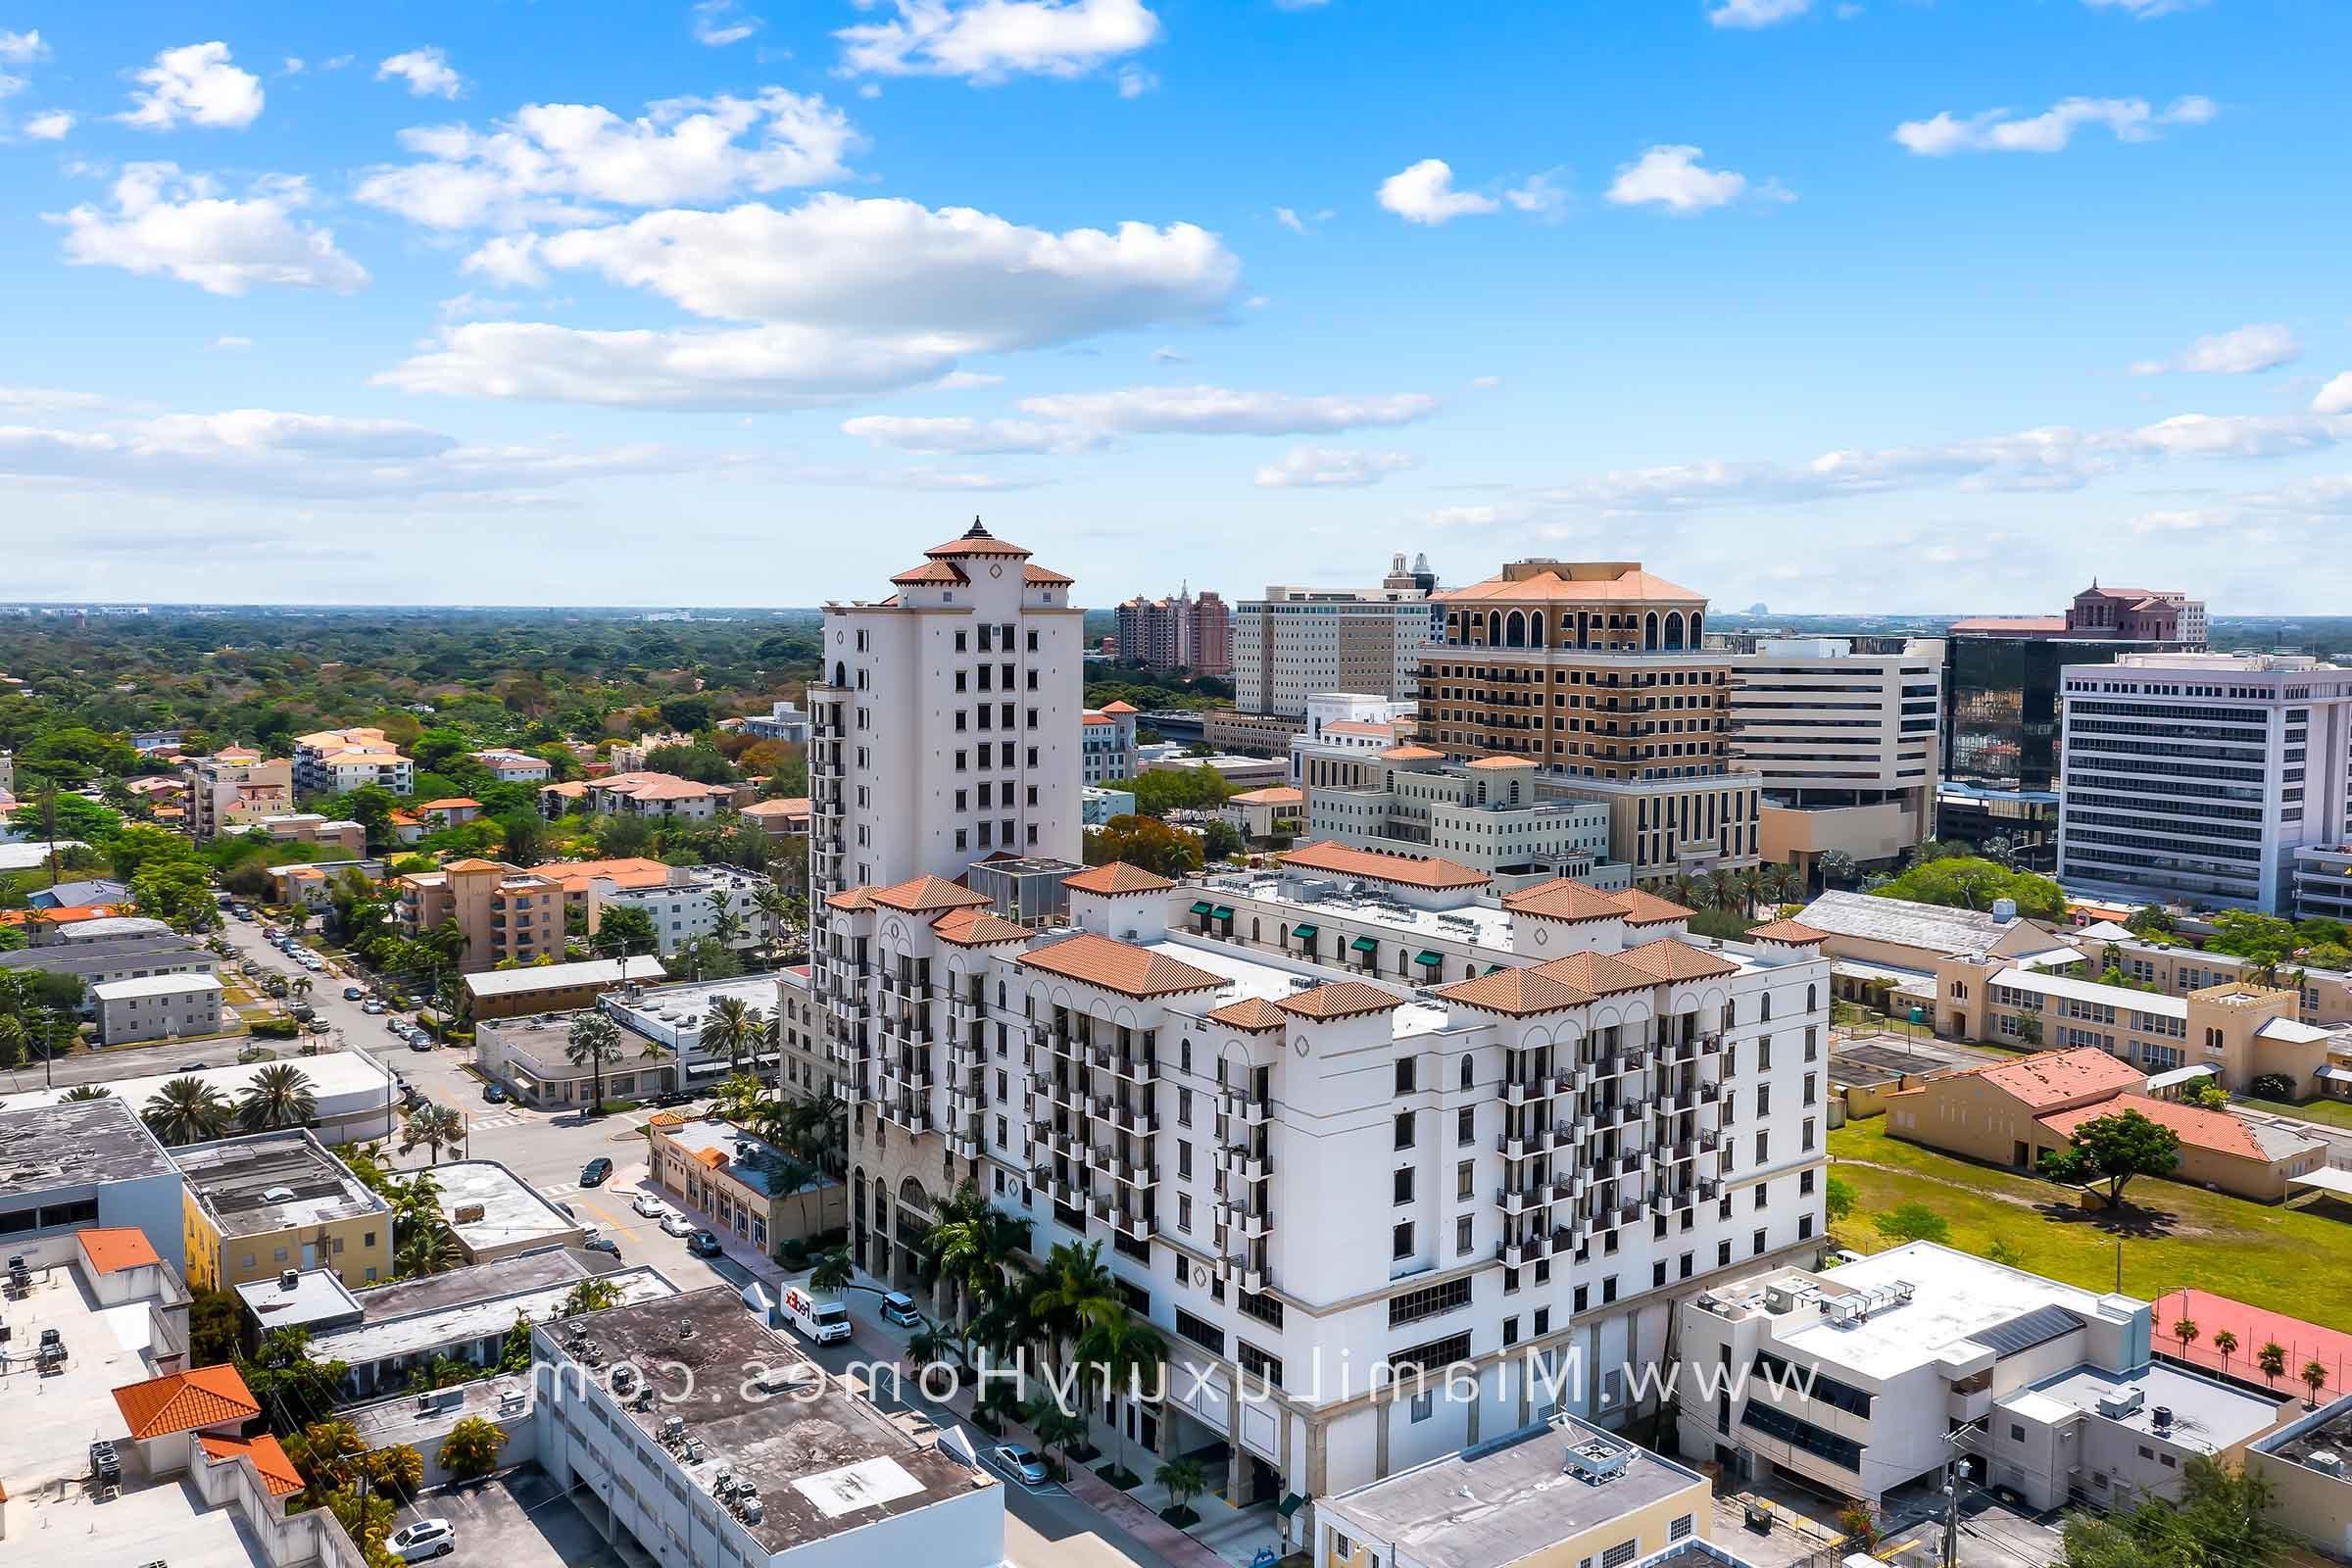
2334, 1112
2293, 1260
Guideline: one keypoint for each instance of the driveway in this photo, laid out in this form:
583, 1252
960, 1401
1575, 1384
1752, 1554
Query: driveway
517, 1520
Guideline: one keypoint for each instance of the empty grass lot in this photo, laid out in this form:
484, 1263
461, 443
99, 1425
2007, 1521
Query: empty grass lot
2295, 1260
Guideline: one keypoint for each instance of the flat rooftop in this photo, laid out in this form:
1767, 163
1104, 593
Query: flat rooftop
2206, 1413
478, 1317
1891, 1056
343, 1082
156, 985
824, 1466
96, 957
1482, 925
2327, 1430
53, 1420
672, 1015
1489, 1506
559, 976
1247, 977
746, 1155
396, 1420
75, 1143
511, 1211
159, 1058
268, 1181
166, 1523
1868, 917
319, 1296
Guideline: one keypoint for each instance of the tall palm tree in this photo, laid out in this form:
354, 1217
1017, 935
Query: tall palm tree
592, 1041
1077, 1293
733, 1026
776, 907
432, 1250
1750, 882
435, 1127
726, 926
301, 987
187, 1110
278, 1096
1686, 891
1128, 1354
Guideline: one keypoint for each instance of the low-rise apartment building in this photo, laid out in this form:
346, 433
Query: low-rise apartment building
694, 902
234, 788
660, 794
1863, 1378
336, 761
738, 1182
553, 987
504, 911
1106, 742
312, 827
515, 767
133, 958
766, 1459
784, 818
1485, 815
157, 1006
266, 1202
80, 1162
784, 722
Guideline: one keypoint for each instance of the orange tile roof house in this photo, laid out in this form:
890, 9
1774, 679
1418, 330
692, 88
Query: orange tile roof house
195, 1401
1376, 866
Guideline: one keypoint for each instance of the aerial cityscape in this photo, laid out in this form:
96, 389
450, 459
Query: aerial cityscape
898, 781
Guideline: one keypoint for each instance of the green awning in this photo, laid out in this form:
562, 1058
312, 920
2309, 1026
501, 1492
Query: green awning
1201, 907
1365, 945
1433, 960
1222, 912
1494, 969
1289, 1504
1305, 933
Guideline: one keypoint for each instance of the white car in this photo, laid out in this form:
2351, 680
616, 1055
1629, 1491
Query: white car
677, 1224
423, 1541
647, 1204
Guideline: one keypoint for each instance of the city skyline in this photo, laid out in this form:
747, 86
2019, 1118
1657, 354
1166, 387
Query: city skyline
381, 298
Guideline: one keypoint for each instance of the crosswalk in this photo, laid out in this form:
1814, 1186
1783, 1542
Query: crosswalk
488, 1122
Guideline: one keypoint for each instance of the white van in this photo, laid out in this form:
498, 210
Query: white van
825, 1322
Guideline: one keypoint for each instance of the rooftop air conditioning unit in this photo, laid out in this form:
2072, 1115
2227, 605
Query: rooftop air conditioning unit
2119, 1402
2326, 1461
468, 1214
1778, 1299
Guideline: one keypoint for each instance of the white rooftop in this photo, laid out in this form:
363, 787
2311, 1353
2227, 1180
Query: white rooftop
672, 1014
1480, 925
1868, 917
2206, 1413
155, 985
512, 1213
341, 1081
1247, 976
1954, 1297
547, 976
2122, 996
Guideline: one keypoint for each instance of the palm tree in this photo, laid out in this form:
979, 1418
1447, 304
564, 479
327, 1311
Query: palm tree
1183, 1480
2227, 1344
589, 1296
2185, 1330
593, 1040
1750, 883
1685, 891
1077, 1293
187, 1110
776, 907
436, 1127
725, 924
88, 1092
301, 987
1129, 1354
432, 1250
277, 1096
2272, 1358
1056, 1428
733, 1026
2315, 1377
1723, 891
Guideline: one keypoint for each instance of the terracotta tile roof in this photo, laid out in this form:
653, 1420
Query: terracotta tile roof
1117, 876
2050, 1077
851, 899
1644, 908
1377, 865
1117, 707
1411, 753
975, 541
978, 928
1120, 966
475, 863
270, 1462
1038, 576
1251, 1016
2215, 1130
1794, 932
1357, 726
1517, 992
113, 1249
1670, 959
923, 894
628, 871
1599, 973
183, 1401
65, 915
2009, 624
932, 571
450, 802
1566, 901
1272, 794
1631, 584
1503, 761
1344, 999
1096, 718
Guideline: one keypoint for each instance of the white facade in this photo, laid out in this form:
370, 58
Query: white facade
2199, 775
1303, 1157
157, 1006
1108, 744
682, 910
949, 728
1816, 719
516, 767
1099, 805
1297, 642
1484, 815
337, 761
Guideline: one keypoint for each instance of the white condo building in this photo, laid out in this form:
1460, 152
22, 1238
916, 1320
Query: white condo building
2199, 775
1297, 642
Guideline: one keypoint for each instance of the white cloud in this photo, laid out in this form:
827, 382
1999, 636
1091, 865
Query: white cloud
720, 23
1298, 222
48, 398
972, 437
851, 297
1757, 12
1331, 468
194, 85
293, 67
50, 125
508, 260
472, 307
1423, 194
2262, 346
1997, 130
562, 163
1673, 178
262, 452
965, 381
427, 72
164, 220
987, 41
2335, 397
1485, 383
2144, 9
228, 344
23, 48
1540, 196
1135, 81
1221, 411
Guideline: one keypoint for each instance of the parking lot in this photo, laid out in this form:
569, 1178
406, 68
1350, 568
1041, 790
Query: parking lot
518, 1520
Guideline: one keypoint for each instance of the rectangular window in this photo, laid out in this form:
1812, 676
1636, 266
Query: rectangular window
1401, 1241
1404, 1129
1404, 1075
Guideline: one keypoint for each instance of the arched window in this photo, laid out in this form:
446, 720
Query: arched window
1812, 998
1765, 1015
1695, 640
1674, 628
841, 673
1467, 1069
1649, 632
1514, 630
1534, 629
1494, 629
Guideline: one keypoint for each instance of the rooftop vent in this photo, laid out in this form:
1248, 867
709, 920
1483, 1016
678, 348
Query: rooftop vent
1599, 1458
2326, 1461
289, 1279
2116, 1403
277, 1195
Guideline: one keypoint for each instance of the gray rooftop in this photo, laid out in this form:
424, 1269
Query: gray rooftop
1891, 1056
559, 976
451, 1323
267, 1182
824, 1465
511, 1211
104, 958
2206, 1413
481, 1282
1868, 917
749, 1156
75, 1143
316, 1301
1497, 1504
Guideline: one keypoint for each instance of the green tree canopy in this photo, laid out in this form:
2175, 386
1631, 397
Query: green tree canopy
1969, 883
2114, 1150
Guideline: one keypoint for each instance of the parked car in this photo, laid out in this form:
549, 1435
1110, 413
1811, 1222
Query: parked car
676, 1224
647, 1204
672, 1096
1023, 1461
495, 1094
603, 1243
372, 1007
353, 994
423, 1541
396, 1027
421, 1042
704, 1244
596, 1172
899, 1308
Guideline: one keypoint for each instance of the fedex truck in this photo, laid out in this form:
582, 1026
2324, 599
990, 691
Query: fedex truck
825, 1322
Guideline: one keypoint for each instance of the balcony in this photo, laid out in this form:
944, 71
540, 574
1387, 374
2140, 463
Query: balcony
1514, 1202
1250, 1109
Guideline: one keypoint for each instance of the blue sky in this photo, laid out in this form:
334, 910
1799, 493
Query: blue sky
1888, 306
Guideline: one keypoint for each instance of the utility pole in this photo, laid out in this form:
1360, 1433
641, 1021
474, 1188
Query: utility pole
1951, 1517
